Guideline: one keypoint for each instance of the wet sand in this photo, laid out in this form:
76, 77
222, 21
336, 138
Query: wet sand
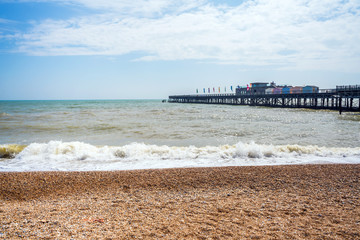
272, 202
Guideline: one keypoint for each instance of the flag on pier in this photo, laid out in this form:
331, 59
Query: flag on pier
213, 89
204, 90
231, 88
197, 90
208, 90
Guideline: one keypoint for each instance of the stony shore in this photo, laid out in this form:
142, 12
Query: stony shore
267, 202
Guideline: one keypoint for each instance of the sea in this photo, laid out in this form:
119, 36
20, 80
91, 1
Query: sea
94, 135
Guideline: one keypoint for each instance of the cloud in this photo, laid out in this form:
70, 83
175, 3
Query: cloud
3, 20
8, 29
307, 34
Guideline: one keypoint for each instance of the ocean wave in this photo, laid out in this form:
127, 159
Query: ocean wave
75, 156
10, 150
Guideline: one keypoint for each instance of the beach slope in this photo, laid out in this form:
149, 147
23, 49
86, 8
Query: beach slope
265, 202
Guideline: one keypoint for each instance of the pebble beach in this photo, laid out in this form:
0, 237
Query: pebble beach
179, 120
262, 202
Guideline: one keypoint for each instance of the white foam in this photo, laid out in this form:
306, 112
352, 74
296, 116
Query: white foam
79, 156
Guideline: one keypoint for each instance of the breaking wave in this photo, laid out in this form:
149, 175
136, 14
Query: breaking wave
79, 156
10, 150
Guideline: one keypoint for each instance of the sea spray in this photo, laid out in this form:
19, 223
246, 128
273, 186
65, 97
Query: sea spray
80, 156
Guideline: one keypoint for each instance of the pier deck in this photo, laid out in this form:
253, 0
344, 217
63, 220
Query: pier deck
343, 98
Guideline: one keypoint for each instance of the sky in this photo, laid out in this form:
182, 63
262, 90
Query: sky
150, 49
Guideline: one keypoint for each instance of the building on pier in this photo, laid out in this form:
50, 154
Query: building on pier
259, 88
255, 88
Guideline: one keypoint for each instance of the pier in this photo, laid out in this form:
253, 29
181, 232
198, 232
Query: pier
342, 98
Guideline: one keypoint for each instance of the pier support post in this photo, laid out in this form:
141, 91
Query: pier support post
340, 106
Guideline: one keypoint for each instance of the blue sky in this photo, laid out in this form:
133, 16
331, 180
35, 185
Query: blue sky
94, 49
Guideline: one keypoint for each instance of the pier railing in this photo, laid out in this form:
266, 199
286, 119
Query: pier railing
350, 90
327, 90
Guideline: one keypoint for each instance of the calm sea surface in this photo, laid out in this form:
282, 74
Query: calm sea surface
133, 134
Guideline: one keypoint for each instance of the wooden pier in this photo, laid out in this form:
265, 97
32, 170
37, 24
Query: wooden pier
343, 98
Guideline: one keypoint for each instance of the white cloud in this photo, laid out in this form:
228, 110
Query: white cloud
307, 34
8, 30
